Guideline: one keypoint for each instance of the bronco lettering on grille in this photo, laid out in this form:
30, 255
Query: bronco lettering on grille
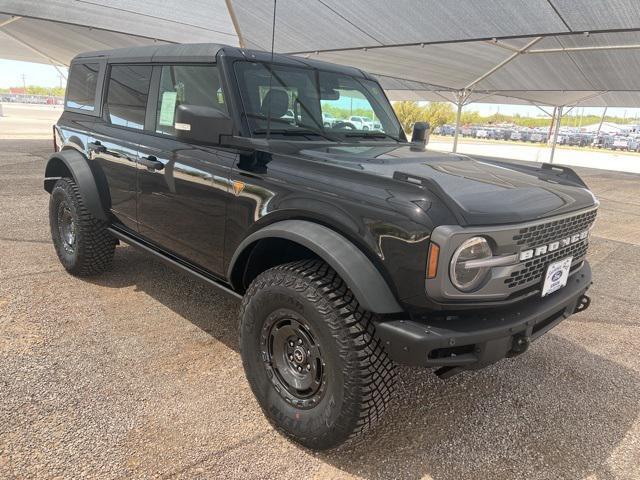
551, 247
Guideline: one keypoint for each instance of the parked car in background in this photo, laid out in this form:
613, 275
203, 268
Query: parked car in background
502, 134
449, 130
328, 120
602, 141
625, 143
468, 131
579, 139
521, 135
538, 136
361, 123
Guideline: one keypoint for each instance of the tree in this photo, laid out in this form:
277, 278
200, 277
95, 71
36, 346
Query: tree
38, 90
409, 113
435, 113
439, 113
471, 117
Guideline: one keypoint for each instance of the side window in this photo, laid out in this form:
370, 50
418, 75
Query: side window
127, 95
81, 91
187, 85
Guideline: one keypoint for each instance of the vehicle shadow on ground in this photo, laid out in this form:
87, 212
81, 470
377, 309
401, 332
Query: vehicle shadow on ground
549, 405
205, 306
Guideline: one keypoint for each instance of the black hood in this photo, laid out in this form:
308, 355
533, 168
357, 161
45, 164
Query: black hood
478, 191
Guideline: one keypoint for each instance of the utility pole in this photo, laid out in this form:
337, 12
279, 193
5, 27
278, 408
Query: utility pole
24, 82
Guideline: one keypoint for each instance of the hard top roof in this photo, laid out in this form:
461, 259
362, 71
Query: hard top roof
206, 52
194, 52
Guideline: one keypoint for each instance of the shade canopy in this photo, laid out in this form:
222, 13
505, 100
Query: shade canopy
546, 52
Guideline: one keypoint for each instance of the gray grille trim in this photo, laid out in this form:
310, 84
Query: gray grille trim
506, 281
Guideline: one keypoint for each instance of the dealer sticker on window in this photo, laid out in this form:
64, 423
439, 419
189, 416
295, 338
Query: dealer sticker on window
557, 276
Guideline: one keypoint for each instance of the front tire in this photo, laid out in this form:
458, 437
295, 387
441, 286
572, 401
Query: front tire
82, 242
311, 355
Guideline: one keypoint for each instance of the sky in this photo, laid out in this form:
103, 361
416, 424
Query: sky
35, 74
47, 76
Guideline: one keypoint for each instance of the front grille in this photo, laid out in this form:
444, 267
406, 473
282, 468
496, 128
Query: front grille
544, 233
534, 269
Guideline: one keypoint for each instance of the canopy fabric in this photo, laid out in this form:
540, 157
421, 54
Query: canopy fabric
54, 31
548, 52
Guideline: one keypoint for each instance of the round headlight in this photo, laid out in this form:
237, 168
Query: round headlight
464, 275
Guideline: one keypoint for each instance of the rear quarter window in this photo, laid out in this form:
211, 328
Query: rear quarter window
81, 88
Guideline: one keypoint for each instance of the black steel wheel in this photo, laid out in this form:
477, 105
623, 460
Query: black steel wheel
293, 359
82, 242
311, 355
66, 226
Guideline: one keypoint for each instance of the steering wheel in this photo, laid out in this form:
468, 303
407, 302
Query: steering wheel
344, 126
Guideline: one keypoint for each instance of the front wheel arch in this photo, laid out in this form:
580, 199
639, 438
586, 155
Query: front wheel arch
314, 240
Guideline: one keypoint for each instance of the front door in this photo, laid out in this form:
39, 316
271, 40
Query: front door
184, 188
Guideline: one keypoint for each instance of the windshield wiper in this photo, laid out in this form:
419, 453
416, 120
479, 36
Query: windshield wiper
372, 135
298, 132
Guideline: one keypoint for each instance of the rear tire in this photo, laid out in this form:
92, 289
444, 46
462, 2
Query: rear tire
82, 242
311, 355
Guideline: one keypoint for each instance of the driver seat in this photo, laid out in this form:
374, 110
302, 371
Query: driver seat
275, 103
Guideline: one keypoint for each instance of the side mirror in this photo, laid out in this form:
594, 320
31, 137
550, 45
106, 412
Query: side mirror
420, 135
199, 124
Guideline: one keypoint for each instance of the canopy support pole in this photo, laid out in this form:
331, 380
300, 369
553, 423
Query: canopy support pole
12, 19
236, 25
604, 112
555, 132
552, 126
503, 63
460, 97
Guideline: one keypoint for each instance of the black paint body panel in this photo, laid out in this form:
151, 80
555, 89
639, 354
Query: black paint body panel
384, 197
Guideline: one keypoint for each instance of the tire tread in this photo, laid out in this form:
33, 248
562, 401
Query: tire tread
369, 373
96, 246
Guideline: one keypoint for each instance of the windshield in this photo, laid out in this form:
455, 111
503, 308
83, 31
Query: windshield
304, 101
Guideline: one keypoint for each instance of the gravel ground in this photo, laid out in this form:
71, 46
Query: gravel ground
137, 374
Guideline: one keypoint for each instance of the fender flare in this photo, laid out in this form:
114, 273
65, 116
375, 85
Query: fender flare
82, 174
358, 272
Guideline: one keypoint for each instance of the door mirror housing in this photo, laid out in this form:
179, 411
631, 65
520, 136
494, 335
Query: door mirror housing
420, 135
199, 124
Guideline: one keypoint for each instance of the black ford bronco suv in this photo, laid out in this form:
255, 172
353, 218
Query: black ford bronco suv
353, 250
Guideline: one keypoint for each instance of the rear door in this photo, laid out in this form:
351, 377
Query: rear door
114, 144
183, 188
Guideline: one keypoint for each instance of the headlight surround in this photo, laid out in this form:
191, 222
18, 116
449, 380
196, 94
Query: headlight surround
468, 279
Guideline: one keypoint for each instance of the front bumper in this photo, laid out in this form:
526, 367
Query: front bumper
475, 340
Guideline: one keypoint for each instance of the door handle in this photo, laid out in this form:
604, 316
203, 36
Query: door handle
97, 147
151, 163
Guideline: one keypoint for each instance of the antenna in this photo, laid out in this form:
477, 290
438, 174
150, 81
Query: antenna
273, 36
